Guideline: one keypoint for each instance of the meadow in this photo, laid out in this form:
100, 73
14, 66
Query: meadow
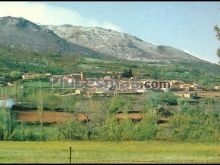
109, 152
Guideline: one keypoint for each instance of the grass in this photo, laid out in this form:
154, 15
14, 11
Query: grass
43, 84
109, 152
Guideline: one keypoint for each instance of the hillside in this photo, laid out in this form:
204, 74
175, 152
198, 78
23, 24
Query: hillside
120, 45
22, 34
19, 33
28, 47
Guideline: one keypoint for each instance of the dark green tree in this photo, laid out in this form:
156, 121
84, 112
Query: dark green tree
127, 73
217, 29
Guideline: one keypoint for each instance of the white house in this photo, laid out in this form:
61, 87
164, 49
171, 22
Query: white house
6, 103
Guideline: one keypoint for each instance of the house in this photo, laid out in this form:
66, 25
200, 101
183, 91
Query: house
48, 74
108, 78
187, 94
56, 78
217, 88
77, 91
66, 80
141, 90
6, 102
175, 85
91, 91
69, 80
79, 76
187, 87
190, 95
26, 76
30, 76
10, 84
165, 90
198, 87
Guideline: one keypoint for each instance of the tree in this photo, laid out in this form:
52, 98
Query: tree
127, 73
72, 130
15, 74
39, 99
116, 104
7, 123
130, 72
217, 29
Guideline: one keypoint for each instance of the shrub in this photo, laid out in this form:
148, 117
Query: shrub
117, 103
147, 128
197, 126
7, 123
72, 130
111, 130
127, 130
26, 134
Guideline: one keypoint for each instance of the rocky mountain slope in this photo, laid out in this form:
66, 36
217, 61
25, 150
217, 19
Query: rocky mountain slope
23, 34
120, 45
90, 41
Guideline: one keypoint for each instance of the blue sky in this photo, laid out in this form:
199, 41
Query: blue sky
184, 25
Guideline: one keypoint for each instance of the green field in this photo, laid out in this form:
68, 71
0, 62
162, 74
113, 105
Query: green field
109, 152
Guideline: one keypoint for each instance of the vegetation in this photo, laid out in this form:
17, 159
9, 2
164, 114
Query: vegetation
110, 152
32, 62
216, 28
186, 120
165, 117
127, 73
7, 124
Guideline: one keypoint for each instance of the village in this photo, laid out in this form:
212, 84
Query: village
78, 84
108, 86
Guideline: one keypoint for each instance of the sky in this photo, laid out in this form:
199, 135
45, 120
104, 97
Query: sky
184, 25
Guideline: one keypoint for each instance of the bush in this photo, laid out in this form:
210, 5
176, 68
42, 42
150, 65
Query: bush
147, 128
26, 134
15, 75
73, 130
127, 130
197, 126
117, 103
7, 123
111, 130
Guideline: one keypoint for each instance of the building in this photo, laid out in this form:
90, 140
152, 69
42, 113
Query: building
31, 76
6, 102
217, 88
187, 87
175, 85
165, 90
91, 91
198, 87
56, 78
79, 76
77, 91
65, 80
190, 95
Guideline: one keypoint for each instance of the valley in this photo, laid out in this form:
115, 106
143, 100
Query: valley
96, 88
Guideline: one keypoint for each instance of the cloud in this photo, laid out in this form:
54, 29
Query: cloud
50, 15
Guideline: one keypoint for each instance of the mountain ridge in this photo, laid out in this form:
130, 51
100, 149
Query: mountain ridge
119, 45
17, 32
89, 41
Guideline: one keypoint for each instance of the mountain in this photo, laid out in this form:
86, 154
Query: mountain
120, 45
16, 32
